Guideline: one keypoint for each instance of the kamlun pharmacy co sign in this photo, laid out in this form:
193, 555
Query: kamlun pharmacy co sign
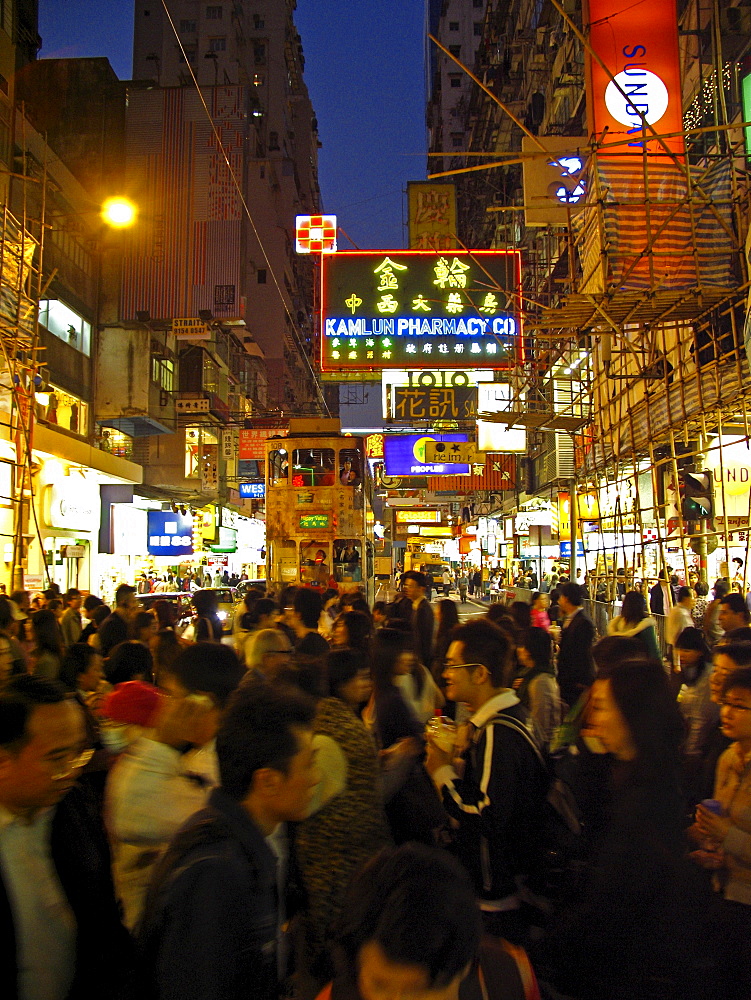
420, 309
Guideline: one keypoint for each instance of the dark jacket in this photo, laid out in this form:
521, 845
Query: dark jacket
111, 633
576, 668
422, 631
635, 930
498, 804
210, 923
82, 860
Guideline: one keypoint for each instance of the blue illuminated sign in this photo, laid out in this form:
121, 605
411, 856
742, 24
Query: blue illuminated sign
565, 549
169, 534
404, 455
252, 491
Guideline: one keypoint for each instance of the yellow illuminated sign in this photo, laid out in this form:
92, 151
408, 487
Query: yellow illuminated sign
418, 516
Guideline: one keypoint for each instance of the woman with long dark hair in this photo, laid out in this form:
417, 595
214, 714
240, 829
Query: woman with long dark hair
536, 686
634, 622
47, 655
351, 630
639, 900
399, 735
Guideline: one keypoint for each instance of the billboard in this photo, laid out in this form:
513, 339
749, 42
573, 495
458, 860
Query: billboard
404, 455
420, 309
169, 534
644, 78
252, 491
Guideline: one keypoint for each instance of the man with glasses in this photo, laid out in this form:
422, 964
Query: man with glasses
498, 800
60, 931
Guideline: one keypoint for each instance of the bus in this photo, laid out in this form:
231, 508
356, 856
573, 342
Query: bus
319, 509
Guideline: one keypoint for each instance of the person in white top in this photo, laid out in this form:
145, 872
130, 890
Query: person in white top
679, 616
155, 787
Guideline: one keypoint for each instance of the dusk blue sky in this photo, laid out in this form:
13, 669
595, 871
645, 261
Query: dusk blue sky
364, 67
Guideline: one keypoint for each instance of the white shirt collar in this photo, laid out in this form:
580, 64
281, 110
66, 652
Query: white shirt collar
506, 699
7, 818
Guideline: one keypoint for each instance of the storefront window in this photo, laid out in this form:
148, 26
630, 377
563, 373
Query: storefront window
348, 560
116, 443
284, 561
315, 567
313, 467
58, 407
197, 438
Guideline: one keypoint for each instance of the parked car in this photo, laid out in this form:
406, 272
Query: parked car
245, 586
227, 601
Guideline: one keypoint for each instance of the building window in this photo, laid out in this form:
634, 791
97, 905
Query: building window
478, 29
455, 50
273, 140
453, 25
477, 3
457, 140
261, 275
61, 321
163, 373
217, 44
214, 13
56, 406
455, 80
190, 54
196, 438
187, 26
259, 55
258, 23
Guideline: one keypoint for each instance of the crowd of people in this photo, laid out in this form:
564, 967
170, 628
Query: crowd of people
346, 801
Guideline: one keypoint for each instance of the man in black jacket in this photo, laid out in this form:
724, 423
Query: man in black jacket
60, 930
498, 801
214, 913
116, 628
414, 585
576, 669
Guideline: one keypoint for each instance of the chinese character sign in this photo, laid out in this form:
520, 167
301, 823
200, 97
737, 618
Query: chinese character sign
420, 309
455, 403
432, 216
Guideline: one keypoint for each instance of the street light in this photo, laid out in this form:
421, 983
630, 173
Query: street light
119, 212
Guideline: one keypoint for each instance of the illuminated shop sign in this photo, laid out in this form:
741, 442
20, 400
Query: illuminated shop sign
420, 309
252, 491
315, 233
404, 455
169, 534
314, 521
418, 517
641, 53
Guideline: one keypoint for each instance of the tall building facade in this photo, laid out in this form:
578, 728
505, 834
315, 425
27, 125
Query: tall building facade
246, 57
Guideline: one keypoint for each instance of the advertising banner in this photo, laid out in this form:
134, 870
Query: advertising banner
432, 216
640, 50
169, 534
404, 455
420, 309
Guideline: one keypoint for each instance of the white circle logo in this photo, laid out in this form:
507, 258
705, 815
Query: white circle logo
646, 95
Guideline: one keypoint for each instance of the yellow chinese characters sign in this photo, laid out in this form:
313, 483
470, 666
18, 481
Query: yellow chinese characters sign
432, 216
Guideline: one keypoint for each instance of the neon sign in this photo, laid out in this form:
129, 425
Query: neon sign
420, 309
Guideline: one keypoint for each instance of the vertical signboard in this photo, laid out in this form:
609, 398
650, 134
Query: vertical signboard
639, 47
432, 216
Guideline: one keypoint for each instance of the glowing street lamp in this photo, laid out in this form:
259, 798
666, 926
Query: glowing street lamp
119, 213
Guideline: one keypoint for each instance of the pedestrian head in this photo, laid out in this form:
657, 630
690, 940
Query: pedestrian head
414, 584
265, 753
267, 651
41, 735
206, 668
634, 714
81, 669
307, 606
398, 935
130, 661
727, 659
478, 662
733, 612
349, 677
125, 599
352, 629
634, 607
570, 597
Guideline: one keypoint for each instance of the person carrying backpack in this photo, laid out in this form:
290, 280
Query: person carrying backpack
500, 801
